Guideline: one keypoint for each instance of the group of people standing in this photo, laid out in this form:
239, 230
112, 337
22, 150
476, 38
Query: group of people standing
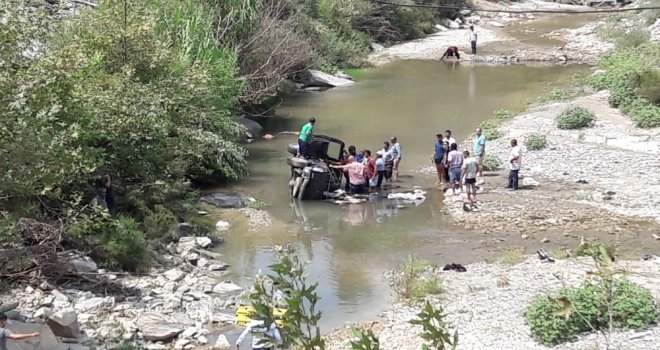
365, 171
455, 168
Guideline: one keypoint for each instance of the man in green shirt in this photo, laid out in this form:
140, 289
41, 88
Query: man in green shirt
480, 152
305, 137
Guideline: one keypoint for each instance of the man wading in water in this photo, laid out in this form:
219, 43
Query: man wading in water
305, 137
7, 334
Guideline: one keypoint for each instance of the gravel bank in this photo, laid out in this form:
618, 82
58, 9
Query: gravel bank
489, 315
581, 45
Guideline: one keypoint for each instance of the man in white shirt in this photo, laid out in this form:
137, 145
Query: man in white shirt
473, 40
515, 162
448, 138
469, 176
263, 337
396, 158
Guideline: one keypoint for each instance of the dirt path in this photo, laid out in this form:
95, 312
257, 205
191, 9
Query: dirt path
506, 38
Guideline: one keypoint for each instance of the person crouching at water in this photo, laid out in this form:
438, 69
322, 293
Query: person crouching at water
305, 137
356, 175
452, 51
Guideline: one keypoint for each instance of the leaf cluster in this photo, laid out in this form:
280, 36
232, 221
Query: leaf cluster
300, 322
536, 142
575, 118
435, 331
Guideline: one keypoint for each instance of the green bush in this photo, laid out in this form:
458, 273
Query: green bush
491, 163
555, 94
502, 114
489, 128
595, 248
632, 39
573, 311
631, 76
575, 118
536, 142
117, 242
159, 223
416, 279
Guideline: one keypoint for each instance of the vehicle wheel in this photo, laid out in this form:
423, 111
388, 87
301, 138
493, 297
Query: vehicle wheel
296, 187
292, 148
301, 190
297, 162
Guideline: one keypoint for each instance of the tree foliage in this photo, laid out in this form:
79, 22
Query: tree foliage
124, 89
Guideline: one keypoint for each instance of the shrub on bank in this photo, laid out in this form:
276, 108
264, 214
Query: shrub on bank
571, 311
575, 118
536, 142
117, 242
491, 163
632, 77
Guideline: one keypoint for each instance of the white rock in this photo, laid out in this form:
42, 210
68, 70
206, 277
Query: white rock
226, 288
174, 275
64, 323
59, 296
528, 181
83, 265
189, 332
318, 78
222, 226
205, 242
181, 343
202, 262
155, 328
222, 343
202, 340
218, 266
377, 47
93, 304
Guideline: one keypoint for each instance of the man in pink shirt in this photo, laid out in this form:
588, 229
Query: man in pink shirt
356, 175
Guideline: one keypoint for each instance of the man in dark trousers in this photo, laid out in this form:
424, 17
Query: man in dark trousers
473, 40
305, 137
452, 51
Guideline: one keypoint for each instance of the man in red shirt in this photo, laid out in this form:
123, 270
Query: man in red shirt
370, 163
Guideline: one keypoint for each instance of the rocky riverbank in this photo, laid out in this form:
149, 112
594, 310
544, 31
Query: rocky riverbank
499, 45
177, 305
599, 179
184, 301
486, 306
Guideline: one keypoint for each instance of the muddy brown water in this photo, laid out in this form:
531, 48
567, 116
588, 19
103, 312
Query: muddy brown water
349, 247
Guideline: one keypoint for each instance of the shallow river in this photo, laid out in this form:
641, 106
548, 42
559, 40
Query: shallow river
349, 247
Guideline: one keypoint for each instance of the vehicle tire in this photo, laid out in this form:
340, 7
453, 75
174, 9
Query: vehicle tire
297, 162
301, 190
292, 148
296, 187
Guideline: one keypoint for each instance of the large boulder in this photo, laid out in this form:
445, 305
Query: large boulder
64, 323
155, 328
45, 341
252, 127
9, 306
83, 265
93, 304
318, 78
228, 200
226, 288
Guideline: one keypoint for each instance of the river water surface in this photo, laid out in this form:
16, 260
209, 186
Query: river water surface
349, 247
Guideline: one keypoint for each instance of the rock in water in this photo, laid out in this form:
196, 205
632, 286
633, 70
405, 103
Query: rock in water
222, 226
252, 127
318, 78
154, 328
64, 323
228, 200
222, 343
204, 242
225, 288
